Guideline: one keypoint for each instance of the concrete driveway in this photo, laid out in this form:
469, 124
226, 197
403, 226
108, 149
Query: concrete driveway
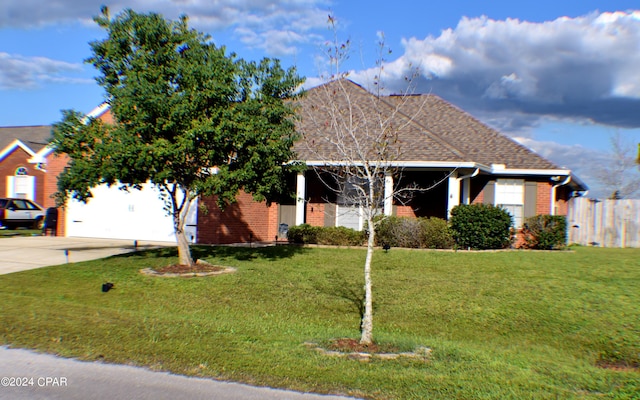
28, 252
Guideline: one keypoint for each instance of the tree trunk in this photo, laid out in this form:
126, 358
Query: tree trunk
367, 317
179, 219
184, 252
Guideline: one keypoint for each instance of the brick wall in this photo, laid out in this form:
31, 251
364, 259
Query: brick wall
403, 211
479, 199
315, 214
107, 117
241, 222
55, 166
543, 203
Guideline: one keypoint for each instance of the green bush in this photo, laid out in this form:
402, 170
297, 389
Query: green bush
430, 233
303, 234
398, 232
330, 235
435, 234
340, 236
545, 232
481, 226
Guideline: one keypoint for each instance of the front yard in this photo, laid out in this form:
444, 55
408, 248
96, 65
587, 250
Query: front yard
509, 324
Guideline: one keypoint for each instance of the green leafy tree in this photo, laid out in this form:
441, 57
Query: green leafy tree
189, 118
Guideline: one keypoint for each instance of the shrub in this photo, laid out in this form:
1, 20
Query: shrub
431, 233
331, 235
340, 236
481, 226
303, 234
435, 234
398, 232
545, 232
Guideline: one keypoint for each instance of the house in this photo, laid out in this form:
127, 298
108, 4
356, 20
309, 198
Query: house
22, 174
472, 162
469, 161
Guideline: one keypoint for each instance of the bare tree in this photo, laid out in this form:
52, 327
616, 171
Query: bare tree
620, 177
354, 138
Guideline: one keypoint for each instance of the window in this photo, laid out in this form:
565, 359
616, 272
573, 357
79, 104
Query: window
510, 196
22, 171
349, 211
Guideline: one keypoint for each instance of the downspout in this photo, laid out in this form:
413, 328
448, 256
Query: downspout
476, 172
553, 194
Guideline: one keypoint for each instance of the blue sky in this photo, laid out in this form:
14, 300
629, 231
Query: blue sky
559, 76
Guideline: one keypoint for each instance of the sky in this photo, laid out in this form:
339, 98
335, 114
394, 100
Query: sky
560, 77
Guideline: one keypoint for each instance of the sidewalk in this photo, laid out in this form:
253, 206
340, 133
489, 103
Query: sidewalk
29, 252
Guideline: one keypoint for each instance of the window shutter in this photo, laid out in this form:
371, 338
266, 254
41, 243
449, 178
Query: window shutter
489, 193
530, 199
329, 214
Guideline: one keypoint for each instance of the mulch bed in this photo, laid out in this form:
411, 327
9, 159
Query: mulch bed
199, 269
348, 345
186, 269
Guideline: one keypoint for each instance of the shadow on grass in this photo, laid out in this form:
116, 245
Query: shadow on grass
238, 253
337, 284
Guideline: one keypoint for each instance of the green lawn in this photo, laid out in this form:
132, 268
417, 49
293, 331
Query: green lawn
4, 233
519, 325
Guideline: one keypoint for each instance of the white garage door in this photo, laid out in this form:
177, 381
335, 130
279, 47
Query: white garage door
115, 214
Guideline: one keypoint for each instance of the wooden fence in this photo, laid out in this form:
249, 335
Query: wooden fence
605, 223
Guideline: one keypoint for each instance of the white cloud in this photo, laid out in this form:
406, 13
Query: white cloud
598, 168
18, 72
583, 68
256, 22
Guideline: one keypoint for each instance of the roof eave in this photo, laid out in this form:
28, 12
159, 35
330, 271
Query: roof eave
17, 143
575, 182
401, 164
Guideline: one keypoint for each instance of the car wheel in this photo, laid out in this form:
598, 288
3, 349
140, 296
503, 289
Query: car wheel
39, 224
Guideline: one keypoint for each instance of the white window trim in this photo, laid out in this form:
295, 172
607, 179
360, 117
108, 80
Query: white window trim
511, 198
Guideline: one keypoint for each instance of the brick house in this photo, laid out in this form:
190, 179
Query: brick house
22, 173
472, 162
440, 143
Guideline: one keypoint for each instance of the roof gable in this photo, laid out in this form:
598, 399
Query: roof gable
33, 137
16, 144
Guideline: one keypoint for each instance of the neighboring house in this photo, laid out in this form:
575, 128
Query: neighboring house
472, 162
22, 174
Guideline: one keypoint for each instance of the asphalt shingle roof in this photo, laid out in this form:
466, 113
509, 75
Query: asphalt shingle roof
34, 137
428, 128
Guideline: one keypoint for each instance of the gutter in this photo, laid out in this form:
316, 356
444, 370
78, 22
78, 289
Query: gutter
475, 173
553, 193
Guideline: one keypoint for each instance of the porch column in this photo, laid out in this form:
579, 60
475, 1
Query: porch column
301, 184
388, 194
466, 191
453, 196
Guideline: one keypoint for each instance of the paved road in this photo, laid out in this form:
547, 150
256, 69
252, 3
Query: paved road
44, 376
21, 253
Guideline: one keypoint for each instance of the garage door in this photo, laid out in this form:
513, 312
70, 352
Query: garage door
115, 214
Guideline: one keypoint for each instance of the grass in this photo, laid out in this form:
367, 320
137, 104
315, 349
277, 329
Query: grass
510, 325
4, 233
